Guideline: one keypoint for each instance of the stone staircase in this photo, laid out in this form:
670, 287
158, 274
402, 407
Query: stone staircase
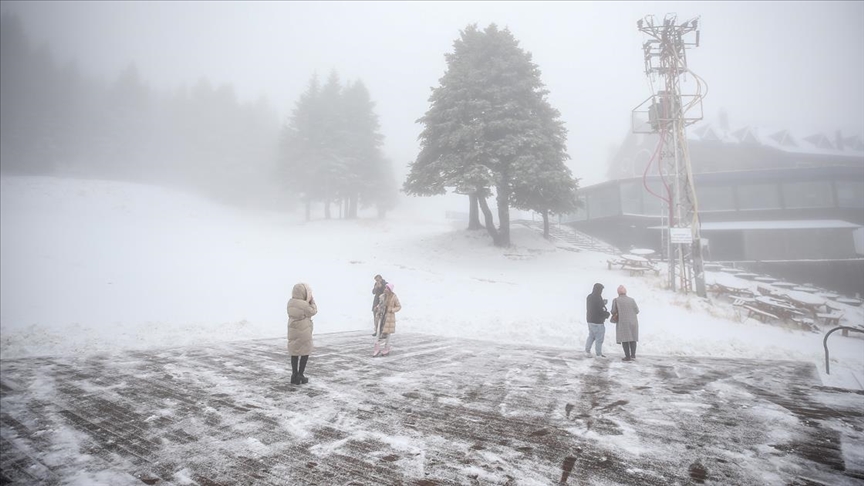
576, 239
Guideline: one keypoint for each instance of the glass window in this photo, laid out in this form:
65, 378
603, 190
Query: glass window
604, 202
807, 194
631, 197
759, 196
651, 204
716, 198
850, 194
581, 213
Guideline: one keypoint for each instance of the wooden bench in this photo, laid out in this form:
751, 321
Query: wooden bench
831, 319
758, 313
806, 323
635, 270
609, 263
741, 301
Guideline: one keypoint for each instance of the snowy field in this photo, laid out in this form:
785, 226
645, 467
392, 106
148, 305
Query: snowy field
102, 267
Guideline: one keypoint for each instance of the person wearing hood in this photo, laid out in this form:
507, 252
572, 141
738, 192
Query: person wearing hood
388, 307
301, 308
595, 305
377, 290
627, 327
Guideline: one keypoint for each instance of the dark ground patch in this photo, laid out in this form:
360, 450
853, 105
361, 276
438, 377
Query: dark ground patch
436, 411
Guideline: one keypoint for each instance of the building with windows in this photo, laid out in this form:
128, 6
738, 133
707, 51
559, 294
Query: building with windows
781, 204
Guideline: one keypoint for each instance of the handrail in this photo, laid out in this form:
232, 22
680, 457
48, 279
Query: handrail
825, 342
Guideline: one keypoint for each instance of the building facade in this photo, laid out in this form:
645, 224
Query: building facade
767, 200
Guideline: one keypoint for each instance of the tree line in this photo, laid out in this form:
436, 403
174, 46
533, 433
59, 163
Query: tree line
57, 121
490, 131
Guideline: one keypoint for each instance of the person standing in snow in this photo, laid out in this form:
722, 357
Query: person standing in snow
388, 306
377, 290
627, 327
595, 305
301, 308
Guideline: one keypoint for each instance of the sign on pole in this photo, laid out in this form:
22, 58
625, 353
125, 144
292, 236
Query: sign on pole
680, 236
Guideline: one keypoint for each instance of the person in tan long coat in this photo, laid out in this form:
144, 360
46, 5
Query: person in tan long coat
301, 308
389, 305
627, 327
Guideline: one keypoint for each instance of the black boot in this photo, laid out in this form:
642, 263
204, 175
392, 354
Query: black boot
302, 379
294, 375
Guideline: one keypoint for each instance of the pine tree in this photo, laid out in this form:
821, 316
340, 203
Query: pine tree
487, 127
544, 183
301, 138
332, 148
365, 183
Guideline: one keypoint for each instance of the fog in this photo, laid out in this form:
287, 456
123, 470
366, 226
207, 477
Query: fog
797, 65
791, 64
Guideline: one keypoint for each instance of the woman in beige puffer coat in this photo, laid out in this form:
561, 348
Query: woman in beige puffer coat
389, 306
301, 308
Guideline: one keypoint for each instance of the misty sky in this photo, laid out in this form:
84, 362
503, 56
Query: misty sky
796, 65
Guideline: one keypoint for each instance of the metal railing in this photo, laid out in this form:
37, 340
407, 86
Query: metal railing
825, 342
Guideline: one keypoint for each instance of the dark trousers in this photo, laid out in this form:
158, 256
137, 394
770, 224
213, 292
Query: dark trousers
629, 349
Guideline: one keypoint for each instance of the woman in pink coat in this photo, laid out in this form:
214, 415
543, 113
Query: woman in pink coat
388, 306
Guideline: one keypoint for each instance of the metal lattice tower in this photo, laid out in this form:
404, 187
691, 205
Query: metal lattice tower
669, 112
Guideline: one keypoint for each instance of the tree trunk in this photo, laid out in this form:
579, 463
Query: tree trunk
352, 207
473, 213
546, 224
327, 209
503, 215
490, 224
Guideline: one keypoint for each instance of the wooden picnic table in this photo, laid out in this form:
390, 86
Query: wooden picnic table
637, 265
642, 251
636, 260
784, 285
848, 301
808, 301
809, 290
778, 307
831, 318
726, 285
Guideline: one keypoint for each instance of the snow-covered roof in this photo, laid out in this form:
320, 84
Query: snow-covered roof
774, 225
818, 143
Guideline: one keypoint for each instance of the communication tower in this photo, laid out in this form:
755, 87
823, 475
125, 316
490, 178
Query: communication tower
667, 113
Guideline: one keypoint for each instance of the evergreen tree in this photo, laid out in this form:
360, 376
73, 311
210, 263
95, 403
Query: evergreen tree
488, 126
332, 148
300, 142
545, 184
363, 148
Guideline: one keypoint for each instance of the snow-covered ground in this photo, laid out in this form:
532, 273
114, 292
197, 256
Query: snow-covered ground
96, 266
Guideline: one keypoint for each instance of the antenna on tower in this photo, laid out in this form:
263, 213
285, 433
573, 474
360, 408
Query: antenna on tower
668, 112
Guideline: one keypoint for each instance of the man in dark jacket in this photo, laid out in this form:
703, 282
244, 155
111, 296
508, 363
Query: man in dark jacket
597, 314
377, 290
